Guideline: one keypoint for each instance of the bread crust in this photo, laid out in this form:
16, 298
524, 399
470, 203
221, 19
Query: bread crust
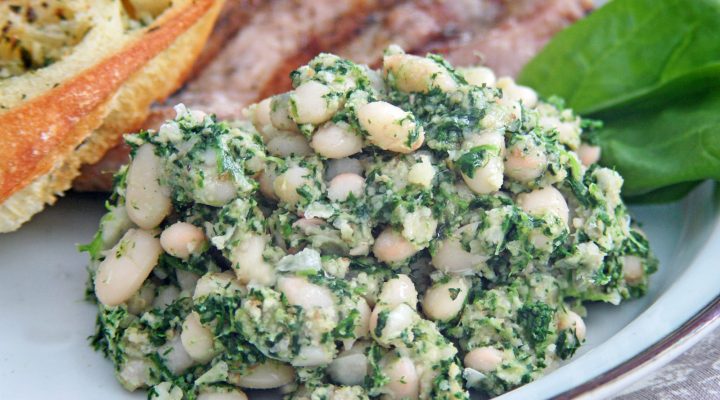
46, 139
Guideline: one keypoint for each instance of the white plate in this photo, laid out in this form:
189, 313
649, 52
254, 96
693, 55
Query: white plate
44, 352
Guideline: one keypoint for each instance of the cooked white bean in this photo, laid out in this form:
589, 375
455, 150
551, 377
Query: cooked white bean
362, 327
142, 300
288, 143
443, 301
478, 76
422, 173
589, 154
398, 290
300, 292
186, 280
176, 358
514, 92
391, 247
250, 266
268, 375
313, 356
390, 127
146, 200
126, 267
545, 201
570, 319
398, 319
224, 394
488, 178
197, 340
350, 367
217, 282
342, 185
260, 116
280, 113
266, 180
417, 74
525, 161
632, 267
166, 296
341, 166
311, 103
336, 140
404, 382
182, 240
452, 258
483, 359
286, 185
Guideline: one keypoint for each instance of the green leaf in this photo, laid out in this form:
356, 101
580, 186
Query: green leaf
655, 149
631, 53
664, 195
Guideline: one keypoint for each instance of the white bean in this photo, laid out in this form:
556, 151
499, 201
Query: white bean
390, 127
341, 186
632, 267
452, 258
280, 113
341, 166
268, 375
545, 201
362, 327
391, 247
488, 178
398, 319
336, 140
570, 319
514, 92
146, 200
443, 301
289, 143
287, 184
311, 103
300, 292
417, 74
166, 296
250, 266
349, 368
525, 161
398, 290
142, 300
225, 394
404, 382
176, 358
197, 340
589, 154
266, 180
483, 359
181, 240
261, 115
216, 283
126, 267
186, 280
478, 76
313, 356
422, 173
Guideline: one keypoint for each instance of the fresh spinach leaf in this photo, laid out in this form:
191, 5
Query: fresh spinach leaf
631, 53
656, 149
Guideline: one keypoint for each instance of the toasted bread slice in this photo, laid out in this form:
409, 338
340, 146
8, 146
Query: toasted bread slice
69, 113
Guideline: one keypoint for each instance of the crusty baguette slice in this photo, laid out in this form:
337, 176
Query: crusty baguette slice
48, 135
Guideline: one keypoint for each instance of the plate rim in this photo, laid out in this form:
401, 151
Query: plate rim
653, 357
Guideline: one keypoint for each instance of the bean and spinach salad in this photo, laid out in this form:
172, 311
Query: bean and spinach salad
412, 232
